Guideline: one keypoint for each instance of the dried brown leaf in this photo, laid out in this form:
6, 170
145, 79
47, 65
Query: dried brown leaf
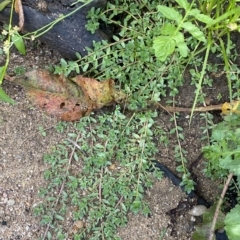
67, 99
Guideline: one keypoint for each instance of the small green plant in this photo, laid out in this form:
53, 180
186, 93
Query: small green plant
61, 127
42, 131
102, 167
223, 158
130, 59
223, 153
162, 234
19, 70
103, 176
171, 33
179, 155
219, 19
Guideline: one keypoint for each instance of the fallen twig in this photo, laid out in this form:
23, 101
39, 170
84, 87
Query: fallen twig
19, 10
183, 109
218, 206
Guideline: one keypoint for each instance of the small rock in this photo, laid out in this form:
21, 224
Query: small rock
112, 167
198, 210
10, 202
79, 224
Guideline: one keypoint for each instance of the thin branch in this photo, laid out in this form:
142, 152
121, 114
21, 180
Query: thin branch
183, 109
19, 10
218, 206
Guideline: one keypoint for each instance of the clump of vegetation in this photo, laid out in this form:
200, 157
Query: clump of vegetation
152, 45
102, 173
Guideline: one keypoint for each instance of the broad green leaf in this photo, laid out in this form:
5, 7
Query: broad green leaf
203, 18
218, 134
4, 4
170, 13
183, 49
163, 46
178, 37
183, 3
180, 43
230, 164
194, 31
168, 29
193, 12
232, 222
4, 97
200, 17
18, 42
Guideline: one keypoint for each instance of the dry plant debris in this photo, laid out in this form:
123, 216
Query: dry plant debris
68, 99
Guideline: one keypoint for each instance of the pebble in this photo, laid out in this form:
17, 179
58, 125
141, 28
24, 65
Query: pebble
10, 202
198, 210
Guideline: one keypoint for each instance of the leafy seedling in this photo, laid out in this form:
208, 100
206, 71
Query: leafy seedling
172, 36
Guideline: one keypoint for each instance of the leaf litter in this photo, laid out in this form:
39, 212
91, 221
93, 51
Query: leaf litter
68, 99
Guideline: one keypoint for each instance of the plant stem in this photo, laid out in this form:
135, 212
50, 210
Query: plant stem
218, 206
227, 69
209, 44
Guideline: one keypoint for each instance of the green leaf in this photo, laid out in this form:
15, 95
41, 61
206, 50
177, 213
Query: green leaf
232, 222
78, 55
2, 73
204, 18
19, 43
4, 97
194, 31
183, 49
200, 17
233, 165
181, 45
170, 13
183, 3
59, 217
4, 4
179, 38
218, 133
168, 29
163, 46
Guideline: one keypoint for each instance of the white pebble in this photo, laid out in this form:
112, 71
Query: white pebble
10, 202
198, 210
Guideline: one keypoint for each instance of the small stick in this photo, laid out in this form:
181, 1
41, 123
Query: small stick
218, 206
197, 109
19, 10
